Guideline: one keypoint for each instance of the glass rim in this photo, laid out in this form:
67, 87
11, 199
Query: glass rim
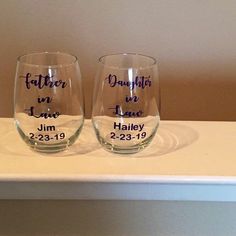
154, 61
75, 59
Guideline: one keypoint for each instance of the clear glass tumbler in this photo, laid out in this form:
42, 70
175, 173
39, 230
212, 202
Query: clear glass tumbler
126, 102
48, 103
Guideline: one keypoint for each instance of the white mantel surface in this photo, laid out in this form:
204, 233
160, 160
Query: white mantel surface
187, 160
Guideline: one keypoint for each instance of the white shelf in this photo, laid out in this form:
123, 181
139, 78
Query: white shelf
186, 161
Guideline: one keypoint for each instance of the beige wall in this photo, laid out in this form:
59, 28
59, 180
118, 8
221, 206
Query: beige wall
193, 40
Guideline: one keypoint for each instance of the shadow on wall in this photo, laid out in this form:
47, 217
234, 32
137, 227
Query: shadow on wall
196, 99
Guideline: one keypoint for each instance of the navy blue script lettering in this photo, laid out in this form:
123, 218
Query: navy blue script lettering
44, 99
41, 81
131, 99
45, 115
118, 111
139, 82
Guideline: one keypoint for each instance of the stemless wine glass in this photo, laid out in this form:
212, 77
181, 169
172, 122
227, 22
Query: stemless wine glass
126, 102
48, 104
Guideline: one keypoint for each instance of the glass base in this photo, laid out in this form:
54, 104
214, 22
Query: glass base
125, 149
46, 147
125, 135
